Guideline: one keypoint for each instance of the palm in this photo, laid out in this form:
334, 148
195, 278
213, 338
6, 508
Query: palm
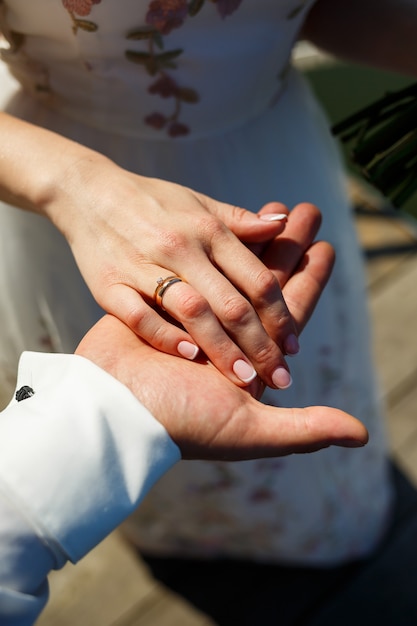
210, 417
207, 415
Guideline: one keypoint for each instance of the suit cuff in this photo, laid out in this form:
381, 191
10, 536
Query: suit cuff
78, 456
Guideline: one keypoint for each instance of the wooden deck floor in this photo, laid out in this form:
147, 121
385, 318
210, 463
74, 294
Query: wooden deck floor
111, 588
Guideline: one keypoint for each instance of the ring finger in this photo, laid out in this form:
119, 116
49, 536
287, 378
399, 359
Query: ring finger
188, 306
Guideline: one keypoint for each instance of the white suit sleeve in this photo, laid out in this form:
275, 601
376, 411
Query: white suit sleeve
76, 459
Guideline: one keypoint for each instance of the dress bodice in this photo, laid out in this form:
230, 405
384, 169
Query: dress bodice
153, 68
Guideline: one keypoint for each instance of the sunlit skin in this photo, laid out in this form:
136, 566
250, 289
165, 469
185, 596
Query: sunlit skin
205, 413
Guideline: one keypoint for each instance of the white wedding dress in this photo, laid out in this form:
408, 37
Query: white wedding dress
206, 98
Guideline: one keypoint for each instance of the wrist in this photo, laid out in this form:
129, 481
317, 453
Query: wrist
66, 190
39, 168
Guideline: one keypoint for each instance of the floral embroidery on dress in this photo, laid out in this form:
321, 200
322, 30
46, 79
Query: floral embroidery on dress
83, 8
31, 74
162, 17
165, 15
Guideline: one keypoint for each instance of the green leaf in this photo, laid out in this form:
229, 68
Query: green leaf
388, 169
145, 59
408, 188
390, 99
85, 25
386, 135
141, 58
169, 55
146, 32
384, 139
188, 95
153, 62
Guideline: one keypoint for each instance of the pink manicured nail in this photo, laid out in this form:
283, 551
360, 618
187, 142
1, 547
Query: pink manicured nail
281, 378
244, 371
273, 217
187, 350
291, 345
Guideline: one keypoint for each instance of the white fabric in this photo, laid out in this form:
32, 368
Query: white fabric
75, 459
255, 134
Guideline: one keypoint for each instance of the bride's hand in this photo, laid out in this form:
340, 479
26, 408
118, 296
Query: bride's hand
205, 414
127, 231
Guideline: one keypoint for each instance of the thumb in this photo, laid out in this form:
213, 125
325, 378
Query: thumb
315, 427
273, 431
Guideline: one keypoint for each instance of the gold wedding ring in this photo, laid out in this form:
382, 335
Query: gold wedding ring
162, 285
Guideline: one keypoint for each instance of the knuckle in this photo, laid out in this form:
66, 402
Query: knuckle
239, 214
210, 227
236, 310
136, 318
267, 285
191, 305
158, 336
283, 320
171, 243
267, 354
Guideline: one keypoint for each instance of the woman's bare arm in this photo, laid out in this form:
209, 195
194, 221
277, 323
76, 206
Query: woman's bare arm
126, 231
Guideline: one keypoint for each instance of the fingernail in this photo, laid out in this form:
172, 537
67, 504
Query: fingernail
281, 378
187, 350
244, 371
291, 345
273, 217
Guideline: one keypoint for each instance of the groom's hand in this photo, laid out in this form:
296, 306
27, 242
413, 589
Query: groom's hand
301, 266
204, 413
